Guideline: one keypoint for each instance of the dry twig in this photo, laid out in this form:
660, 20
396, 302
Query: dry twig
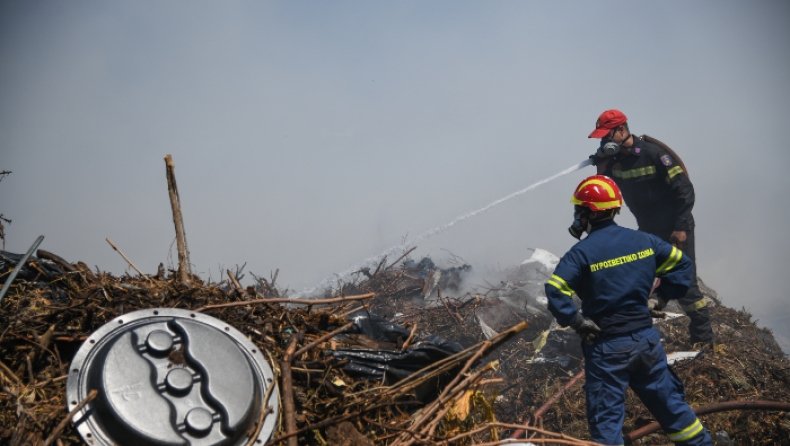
62, 425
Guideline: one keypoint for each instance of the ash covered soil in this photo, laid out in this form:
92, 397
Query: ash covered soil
51, 310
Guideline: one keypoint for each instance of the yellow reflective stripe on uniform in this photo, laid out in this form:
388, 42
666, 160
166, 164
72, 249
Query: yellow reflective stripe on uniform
634, 173
687, 433
695, 305
672, 260
674, 171
557, 282
559, 287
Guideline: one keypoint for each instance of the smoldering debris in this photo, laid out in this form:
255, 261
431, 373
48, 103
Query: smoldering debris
745, 365
475, 384
431, 388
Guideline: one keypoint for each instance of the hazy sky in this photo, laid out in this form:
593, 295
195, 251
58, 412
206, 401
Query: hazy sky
310, 135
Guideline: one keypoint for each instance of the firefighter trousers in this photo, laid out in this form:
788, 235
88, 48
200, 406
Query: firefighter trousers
636, 359
693, 303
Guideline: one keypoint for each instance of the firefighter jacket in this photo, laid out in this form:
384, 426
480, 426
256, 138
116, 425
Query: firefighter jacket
655, 187
612, 270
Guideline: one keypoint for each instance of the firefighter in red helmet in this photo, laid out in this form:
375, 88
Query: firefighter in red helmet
612, 270
657, 190
595, 194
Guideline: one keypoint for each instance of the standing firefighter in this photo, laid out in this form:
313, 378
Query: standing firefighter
612, 270
658, 192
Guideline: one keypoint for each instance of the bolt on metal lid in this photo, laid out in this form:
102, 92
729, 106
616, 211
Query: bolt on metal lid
171, 377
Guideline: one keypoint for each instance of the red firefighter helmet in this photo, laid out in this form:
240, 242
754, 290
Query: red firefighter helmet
598, 193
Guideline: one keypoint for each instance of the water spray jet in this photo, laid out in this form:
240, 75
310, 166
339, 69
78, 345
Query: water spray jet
372, 261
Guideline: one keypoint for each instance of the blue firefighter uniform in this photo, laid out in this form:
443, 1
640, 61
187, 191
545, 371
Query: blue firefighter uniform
612, 271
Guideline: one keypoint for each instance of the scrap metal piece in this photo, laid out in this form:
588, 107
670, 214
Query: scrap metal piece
19, 266
171, 377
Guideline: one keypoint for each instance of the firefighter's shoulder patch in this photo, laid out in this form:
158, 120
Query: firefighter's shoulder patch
667, 160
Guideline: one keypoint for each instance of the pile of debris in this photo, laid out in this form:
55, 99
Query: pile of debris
741, 383
401, 356
344, 375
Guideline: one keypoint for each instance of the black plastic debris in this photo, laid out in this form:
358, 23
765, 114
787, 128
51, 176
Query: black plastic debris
450, 278
35, 270
388, 362
420, 269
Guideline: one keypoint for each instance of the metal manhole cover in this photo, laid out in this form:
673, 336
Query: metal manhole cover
171, 377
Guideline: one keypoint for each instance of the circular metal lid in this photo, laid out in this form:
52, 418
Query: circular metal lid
171, 377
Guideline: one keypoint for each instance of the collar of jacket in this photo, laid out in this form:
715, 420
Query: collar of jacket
636, 144
602, 225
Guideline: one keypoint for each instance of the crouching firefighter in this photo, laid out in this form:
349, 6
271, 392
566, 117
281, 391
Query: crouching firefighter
612, 270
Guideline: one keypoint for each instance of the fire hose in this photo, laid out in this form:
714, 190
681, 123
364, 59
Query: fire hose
654, 427
712, 408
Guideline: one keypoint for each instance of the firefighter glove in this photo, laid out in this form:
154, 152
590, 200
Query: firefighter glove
656, 306
586, 328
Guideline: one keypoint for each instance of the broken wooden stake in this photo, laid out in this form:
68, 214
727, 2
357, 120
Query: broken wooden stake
184, 268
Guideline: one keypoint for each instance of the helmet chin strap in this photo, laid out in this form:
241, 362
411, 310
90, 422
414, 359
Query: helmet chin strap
626, 139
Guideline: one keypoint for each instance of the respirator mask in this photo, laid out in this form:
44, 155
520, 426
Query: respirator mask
578, 227
608, 147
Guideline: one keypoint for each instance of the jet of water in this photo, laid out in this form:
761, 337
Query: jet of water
373, 261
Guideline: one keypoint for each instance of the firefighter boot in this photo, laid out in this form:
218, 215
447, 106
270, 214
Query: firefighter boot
699, 327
